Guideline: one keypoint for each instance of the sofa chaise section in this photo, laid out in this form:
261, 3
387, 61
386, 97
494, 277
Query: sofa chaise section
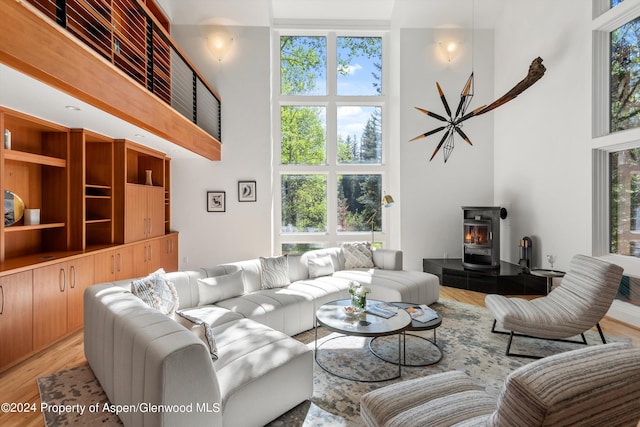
142, 357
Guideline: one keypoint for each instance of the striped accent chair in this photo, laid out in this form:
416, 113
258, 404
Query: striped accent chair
592, 386
575, 306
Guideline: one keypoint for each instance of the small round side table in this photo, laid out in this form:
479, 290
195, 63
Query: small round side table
549, 274
414, 326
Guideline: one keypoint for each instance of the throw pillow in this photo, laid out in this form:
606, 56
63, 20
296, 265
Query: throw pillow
274, 272
320, 266
357, 255
218, 288
157, 291
201, 330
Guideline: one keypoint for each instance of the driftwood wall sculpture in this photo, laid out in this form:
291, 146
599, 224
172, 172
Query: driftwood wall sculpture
454, 121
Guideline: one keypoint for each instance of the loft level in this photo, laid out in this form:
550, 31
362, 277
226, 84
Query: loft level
79, 70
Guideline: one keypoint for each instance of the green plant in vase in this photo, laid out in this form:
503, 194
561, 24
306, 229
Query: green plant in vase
358, 295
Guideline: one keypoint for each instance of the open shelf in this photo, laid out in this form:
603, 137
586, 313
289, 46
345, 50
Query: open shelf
37, 159
18, 228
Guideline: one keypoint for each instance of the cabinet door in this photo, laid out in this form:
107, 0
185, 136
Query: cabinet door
80, 273
50, 286
146, 257
155, 211
135, 213
105, 267
16, 322
125, 263
169, 252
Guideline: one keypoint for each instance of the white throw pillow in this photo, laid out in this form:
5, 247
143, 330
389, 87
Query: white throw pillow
274, 272
157, 291
200, 329
218, 288
320, 266
357, 255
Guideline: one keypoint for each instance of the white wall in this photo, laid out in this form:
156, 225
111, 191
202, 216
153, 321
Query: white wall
542, 158
242, 80
530, 155
433, 192
428, 210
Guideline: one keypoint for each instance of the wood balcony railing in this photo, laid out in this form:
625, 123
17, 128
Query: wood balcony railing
135, 41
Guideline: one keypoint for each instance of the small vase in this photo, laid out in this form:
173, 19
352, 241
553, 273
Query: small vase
359, 301
149, 180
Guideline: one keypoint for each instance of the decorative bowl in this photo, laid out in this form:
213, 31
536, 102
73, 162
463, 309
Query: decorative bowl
351, 311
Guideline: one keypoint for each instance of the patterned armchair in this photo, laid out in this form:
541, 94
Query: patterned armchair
593, 386
575, 306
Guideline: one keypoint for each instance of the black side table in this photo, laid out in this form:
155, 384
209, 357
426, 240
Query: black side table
549, 275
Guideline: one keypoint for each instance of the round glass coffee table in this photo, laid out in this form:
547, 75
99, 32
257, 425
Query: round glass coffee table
430, 357
332, 316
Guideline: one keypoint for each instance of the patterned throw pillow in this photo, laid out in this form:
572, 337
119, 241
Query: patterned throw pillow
201, 330
357, 255
157, 291
275, 272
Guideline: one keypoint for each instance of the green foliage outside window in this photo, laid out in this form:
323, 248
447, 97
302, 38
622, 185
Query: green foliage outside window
304, 141
625, 76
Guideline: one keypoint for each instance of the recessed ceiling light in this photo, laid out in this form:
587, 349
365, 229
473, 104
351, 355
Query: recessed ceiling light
72, 108
139, 135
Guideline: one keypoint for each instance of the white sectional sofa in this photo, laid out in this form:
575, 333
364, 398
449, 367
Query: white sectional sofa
161, 374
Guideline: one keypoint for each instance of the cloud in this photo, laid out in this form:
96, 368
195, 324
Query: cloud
351, 69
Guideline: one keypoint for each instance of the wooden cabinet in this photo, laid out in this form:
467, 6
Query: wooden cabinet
144, 200
16, 321
104, 207
81, 276
57, 298
35, 170
49, 304
146, 256
169, 252
144, 212
114, 264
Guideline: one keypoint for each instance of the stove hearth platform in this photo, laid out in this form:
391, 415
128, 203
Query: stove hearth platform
509, 279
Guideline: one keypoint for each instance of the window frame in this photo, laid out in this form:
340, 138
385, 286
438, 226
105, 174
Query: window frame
604, 142
331, 168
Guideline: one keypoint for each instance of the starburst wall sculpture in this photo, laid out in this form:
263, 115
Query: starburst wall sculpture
454, 122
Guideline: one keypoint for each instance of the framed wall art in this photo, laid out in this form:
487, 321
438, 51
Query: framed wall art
247, 191
216, 201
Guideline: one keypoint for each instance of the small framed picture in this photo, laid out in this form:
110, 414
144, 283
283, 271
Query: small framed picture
216, 201
247, 191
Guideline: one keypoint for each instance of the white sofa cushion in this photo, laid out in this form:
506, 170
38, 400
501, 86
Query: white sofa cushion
274, 272
320, 266
254, 360
218, 288
357, 255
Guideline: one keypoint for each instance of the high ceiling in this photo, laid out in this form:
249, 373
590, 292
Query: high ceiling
403, 13
22, 93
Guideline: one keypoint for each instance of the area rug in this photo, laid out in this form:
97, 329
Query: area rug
464, 338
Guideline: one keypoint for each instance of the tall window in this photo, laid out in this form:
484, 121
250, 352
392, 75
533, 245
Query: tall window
329, 141
617, 153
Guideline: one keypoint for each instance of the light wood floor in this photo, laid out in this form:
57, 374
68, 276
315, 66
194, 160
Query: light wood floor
18, 384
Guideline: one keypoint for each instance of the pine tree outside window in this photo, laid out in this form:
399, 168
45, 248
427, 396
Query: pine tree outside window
329, 141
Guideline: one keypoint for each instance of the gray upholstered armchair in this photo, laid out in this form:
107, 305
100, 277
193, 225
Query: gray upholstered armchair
593, 386
575, 306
